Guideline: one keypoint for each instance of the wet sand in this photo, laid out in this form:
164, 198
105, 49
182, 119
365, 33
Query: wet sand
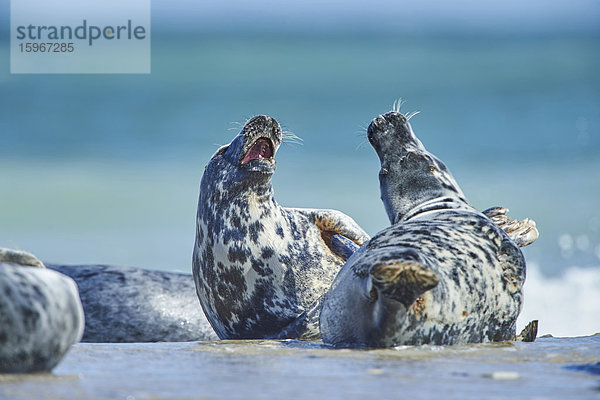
550, 368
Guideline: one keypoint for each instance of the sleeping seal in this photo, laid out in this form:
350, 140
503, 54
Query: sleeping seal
261, 268
40, 314
126, 304
443, 273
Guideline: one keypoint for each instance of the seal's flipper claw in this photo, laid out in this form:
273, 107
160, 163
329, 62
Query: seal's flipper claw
333, 223
339, 223
20, 258
522, 233
529, 333
496, 212
403, 281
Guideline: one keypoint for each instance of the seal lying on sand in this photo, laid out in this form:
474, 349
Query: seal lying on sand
124, 304
40, 314
442, 274
261, 268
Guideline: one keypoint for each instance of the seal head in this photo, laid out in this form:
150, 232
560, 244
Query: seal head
250, 158
409, 174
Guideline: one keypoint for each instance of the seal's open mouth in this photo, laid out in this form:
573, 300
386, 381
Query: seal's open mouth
262, 148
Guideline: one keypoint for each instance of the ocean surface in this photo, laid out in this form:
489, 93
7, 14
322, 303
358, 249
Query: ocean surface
106, 168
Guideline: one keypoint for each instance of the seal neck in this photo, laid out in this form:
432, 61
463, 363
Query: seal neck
438, 204
259, 195
260, 191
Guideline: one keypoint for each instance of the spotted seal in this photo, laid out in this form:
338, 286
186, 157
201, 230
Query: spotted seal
127, 304
443, 273
260, 268
40, 314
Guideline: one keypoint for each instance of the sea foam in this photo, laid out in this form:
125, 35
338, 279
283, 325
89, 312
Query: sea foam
565, 305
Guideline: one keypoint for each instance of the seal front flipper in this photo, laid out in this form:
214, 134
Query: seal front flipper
403, 281
341, 234
523, 233
336, 222
339, 245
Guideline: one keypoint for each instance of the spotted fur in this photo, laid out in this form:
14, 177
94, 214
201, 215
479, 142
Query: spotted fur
40, 314
260, 269
443, 273
132, 305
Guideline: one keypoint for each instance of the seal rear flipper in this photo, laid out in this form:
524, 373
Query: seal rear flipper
20, 258
529, 333
523, 233
403, 281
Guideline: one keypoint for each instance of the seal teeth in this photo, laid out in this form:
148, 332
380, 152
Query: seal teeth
262, 148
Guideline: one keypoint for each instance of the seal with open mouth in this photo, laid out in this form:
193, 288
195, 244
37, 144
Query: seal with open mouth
260, 268
443, 273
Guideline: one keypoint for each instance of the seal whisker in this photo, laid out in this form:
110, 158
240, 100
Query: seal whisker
361, 144
237, 126
411, 114
362, 132
288, 137
398, 103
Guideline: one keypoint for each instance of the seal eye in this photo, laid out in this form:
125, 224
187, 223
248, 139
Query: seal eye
383, 171
432, 169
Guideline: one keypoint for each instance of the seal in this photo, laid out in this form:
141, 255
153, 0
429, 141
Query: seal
260, 269
443, 273
126, 304
41, 316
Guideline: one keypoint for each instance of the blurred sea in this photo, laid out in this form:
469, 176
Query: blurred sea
106, 168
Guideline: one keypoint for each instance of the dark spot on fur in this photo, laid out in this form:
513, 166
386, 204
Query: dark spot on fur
279, 231
254, 230
267, 252
238, 254
260, 268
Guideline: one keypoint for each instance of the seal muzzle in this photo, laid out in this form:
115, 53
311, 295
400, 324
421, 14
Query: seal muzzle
261, 139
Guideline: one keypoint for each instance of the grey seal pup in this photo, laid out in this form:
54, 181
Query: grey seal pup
40, 314
443, 273
260, 268
126, 304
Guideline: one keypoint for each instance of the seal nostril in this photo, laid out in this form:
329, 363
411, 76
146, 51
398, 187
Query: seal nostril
394, 117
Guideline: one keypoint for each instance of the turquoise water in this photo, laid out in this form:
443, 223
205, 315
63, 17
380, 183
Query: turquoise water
105, 168
517, 120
